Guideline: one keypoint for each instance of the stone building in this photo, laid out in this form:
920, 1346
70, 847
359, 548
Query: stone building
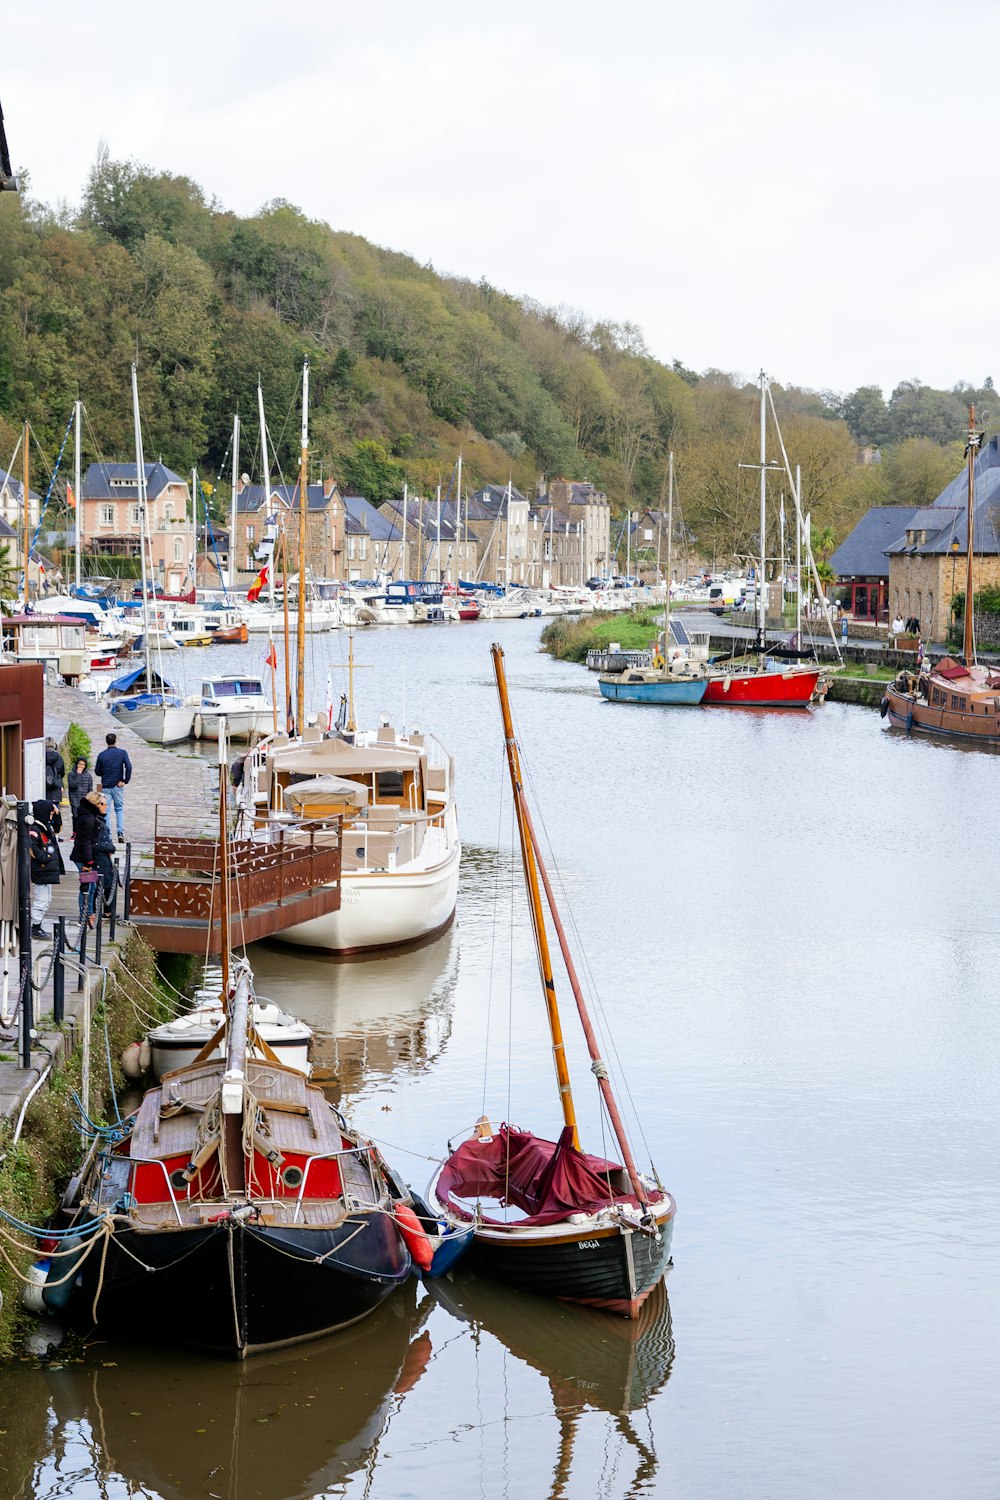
581, 499
108, 517
927, 557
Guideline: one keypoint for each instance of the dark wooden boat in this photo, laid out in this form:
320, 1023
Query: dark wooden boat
956, 699
547, 1217
239, 1212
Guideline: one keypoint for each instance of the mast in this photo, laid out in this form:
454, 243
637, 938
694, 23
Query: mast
266, 476
439, 535
402, 556
761, 600
284, 612
140, 490
535, 902
77, 422
670, 537
459, 515
303, 488
232, 503
798, 549
26, 512
527, 827
969, 635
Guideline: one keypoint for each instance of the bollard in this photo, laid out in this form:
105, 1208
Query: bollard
59, 971
24, 931
98, 919
127, 899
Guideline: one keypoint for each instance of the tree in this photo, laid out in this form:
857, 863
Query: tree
369, 471
918, 469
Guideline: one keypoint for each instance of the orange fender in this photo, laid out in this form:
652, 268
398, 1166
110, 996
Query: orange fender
414, 1236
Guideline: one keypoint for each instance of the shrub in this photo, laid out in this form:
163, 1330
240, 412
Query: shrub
77, 745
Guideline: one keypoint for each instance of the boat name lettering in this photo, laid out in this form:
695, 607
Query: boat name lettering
590, 1245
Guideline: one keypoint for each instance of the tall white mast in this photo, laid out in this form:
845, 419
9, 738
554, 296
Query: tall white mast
232, 503
77, 421
402, 563
458, 517
798, 548
265, 470
439, 536
761, 585
670, 541
140, 490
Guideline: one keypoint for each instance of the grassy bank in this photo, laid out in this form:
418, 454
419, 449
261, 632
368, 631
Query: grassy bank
569, 638
34, 1171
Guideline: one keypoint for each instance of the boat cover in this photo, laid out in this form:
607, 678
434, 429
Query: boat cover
546, 1180
128, 681
322, 789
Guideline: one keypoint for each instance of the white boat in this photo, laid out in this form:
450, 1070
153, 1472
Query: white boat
177, 1043
401, 849
240, 700
261, 619
189, 627
160, 719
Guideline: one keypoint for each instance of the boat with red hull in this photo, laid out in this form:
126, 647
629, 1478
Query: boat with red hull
792, 687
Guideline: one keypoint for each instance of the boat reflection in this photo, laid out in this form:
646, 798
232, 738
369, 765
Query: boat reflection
371, 1018
160, 1424
592, 1361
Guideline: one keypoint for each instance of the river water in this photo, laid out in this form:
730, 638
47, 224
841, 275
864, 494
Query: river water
790, 929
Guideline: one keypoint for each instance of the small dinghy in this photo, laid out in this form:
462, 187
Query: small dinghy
177, 1043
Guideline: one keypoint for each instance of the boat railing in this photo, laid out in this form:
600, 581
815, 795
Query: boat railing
155, 1161
364, 1156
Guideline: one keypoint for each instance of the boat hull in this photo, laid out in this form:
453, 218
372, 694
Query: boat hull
246, 724
792, 689
908, 711
156, 724
384, 909
676, 691
240, 1290
610, 1268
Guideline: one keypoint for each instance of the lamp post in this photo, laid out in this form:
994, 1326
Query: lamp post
955, 549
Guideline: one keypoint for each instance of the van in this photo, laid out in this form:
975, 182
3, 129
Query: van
725, 595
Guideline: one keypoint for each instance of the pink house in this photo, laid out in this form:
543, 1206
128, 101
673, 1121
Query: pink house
108, 516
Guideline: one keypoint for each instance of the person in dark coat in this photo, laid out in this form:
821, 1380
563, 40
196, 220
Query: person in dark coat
84, 851
78, 783
104, 849
46, 860
55, 772
115, 771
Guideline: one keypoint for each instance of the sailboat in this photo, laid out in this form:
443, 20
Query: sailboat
157, 714
757, 680
956, 698
586, 1229
236, 1211
677, 677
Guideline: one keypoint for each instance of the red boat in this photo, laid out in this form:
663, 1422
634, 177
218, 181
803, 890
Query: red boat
792, 687
231, 635
468, 609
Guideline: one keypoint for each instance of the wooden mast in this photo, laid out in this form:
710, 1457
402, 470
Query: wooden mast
26, 511
303, 501
284, 612
535, 902
969, 640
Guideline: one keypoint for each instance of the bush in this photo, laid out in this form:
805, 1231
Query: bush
77, 745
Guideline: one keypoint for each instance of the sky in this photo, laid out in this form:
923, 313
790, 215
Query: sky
809, 190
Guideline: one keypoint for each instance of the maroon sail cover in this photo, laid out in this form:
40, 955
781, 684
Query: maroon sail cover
546, 1180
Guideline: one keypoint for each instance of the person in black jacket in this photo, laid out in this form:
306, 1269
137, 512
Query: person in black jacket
114, 769
46, 861
78, 783
55, 772
89, 819
103, 851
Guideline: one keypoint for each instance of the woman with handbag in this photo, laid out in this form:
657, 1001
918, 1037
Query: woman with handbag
103, 850
84, 852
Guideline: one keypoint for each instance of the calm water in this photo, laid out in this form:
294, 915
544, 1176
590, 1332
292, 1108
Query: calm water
790, 927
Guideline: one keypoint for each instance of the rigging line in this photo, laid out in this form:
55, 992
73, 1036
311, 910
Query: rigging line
26, 500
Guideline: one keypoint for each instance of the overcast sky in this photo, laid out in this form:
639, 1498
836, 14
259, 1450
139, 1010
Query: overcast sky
808, 189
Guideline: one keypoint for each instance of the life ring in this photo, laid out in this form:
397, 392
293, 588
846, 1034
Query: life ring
414, 1236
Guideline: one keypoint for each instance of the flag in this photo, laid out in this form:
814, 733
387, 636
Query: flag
258, 585
271, 659
70, 497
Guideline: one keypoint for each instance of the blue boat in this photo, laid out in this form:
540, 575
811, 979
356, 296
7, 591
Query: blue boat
652, 687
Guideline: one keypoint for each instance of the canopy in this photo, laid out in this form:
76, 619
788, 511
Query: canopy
128, 681
327, 757
546, 1180
325, 789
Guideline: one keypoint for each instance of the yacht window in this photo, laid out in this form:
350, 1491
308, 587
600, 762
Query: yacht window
224, 689
388, 785
249, 685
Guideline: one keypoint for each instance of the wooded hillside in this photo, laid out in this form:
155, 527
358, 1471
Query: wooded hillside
407, 367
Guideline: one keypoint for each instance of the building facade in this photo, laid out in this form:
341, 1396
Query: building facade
110, 525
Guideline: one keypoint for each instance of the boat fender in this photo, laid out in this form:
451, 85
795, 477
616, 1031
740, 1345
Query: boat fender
145, 1055
131, 1061
414, 1238
198, 726
31, 1297
883, 707
61, 1271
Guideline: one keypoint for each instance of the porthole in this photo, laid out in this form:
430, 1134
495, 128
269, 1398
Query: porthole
292, 1177
178, 1181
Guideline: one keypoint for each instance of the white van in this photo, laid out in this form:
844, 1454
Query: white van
725, 595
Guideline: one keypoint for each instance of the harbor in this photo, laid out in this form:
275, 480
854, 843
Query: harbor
824, 1125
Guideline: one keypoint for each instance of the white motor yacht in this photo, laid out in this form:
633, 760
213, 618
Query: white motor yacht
237, 698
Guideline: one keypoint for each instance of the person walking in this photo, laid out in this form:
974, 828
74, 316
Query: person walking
115, 771
46, 860
55, 772
90, 819
78, 783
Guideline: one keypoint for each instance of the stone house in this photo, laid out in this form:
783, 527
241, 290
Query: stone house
441, 544
583, 499
259, 513
11, 510
555, 548
108, 517
927, 557
371, 540
499, 524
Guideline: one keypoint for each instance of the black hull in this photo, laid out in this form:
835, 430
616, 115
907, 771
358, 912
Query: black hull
616, 1272
241, 1289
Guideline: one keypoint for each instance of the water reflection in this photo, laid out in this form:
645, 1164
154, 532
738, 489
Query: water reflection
377, 1017
157, 1424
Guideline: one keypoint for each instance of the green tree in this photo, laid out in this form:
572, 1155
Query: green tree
369, 471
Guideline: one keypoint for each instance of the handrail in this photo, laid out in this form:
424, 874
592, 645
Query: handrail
154, 1161
332, 1156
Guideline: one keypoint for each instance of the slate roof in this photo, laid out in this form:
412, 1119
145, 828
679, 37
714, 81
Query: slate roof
551, 518
429, 529
13, 486
862, 554
361, 518
5, 528
946, 519
487, 503
97, 481
253, 497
